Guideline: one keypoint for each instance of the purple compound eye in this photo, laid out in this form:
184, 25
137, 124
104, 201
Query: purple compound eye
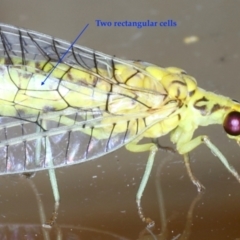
232, 124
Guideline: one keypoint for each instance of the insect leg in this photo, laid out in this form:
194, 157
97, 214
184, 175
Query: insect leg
133, 147
184, 148
194, 180
222, 158
53, 180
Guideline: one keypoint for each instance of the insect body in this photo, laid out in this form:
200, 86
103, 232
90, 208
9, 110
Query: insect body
93, 104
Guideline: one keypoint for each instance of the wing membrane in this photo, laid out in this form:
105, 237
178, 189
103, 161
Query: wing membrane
92, 103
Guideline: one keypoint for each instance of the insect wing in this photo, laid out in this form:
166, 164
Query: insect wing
83, 110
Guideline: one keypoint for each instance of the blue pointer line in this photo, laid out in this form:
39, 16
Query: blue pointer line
60, 60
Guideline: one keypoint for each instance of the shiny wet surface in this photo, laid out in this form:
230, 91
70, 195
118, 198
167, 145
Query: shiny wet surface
98, 197
97, 202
